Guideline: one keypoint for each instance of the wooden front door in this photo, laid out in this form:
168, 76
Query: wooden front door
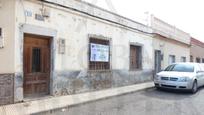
157, 61
135, 57
36, 65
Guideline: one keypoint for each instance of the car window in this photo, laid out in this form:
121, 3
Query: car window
180, 68
201, 67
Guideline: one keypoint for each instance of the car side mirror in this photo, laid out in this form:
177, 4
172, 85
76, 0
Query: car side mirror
199, 71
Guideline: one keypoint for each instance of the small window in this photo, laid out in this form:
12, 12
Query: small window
183, 59
172, 59
99, 54
191, 58
198, 60
135, 57
36, 60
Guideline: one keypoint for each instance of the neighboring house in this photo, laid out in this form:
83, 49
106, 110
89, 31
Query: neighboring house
197, 51
63, 47
170, 44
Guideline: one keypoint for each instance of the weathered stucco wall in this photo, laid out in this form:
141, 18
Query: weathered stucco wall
70, 72
71, 82
75, 28
171, 47
7, 23
6, 88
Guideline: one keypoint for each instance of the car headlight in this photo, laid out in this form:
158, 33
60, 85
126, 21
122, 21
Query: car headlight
156, 77
183, 79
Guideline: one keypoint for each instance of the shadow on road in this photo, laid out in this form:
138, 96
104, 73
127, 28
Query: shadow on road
168, 94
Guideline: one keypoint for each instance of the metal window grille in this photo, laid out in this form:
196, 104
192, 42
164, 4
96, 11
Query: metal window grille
198, 60
191, 58
99, 65
36, 60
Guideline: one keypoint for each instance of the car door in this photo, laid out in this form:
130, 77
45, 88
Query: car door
198, 75
201, 72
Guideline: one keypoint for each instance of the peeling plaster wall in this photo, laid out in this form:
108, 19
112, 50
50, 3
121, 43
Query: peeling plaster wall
72, 82
6, 89
70, 73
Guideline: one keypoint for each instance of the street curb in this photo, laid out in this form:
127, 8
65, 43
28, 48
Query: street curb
108, 97
53, 103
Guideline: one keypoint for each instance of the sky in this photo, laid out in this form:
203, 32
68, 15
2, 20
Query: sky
187, 15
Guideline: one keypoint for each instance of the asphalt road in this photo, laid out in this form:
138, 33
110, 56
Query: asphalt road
147, 102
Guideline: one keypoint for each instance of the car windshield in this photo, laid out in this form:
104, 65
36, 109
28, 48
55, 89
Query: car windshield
180, 68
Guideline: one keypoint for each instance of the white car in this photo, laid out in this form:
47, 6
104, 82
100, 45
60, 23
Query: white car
188, 76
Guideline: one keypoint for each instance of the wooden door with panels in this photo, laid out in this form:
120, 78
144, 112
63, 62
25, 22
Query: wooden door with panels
135, 57
36, 65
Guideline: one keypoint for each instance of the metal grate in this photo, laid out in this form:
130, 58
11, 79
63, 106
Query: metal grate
170, 86
99, 65
165, 78
173, 79
36, 60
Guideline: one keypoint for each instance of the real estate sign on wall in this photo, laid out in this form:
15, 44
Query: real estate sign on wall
99, 53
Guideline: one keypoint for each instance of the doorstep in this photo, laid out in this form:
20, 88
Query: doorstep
46, 104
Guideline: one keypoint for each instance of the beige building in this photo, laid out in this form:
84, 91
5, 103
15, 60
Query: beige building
170, 44
197, 51
62, 47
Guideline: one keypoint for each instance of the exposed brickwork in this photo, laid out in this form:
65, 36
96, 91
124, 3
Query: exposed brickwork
6, 88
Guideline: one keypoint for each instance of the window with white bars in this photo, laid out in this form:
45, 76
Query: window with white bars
99, 54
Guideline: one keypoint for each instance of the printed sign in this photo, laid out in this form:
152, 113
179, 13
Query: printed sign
99, 53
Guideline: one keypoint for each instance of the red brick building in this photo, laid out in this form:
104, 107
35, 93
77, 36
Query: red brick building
197, 51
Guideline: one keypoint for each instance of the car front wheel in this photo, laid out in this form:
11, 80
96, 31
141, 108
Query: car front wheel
194, 87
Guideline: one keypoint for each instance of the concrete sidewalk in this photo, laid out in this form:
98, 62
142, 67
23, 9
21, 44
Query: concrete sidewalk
52, 103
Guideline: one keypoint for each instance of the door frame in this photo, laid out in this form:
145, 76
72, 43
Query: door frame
41, 31
50, 42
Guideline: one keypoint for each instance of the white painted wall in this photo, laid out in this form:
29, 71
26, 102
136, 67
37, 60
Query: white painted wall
169, 31
75, 28
7, 20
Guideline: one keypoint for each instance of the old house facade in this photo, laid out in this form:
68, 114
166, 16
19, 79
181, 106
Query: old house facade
60, 47
197, 51
170, 44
